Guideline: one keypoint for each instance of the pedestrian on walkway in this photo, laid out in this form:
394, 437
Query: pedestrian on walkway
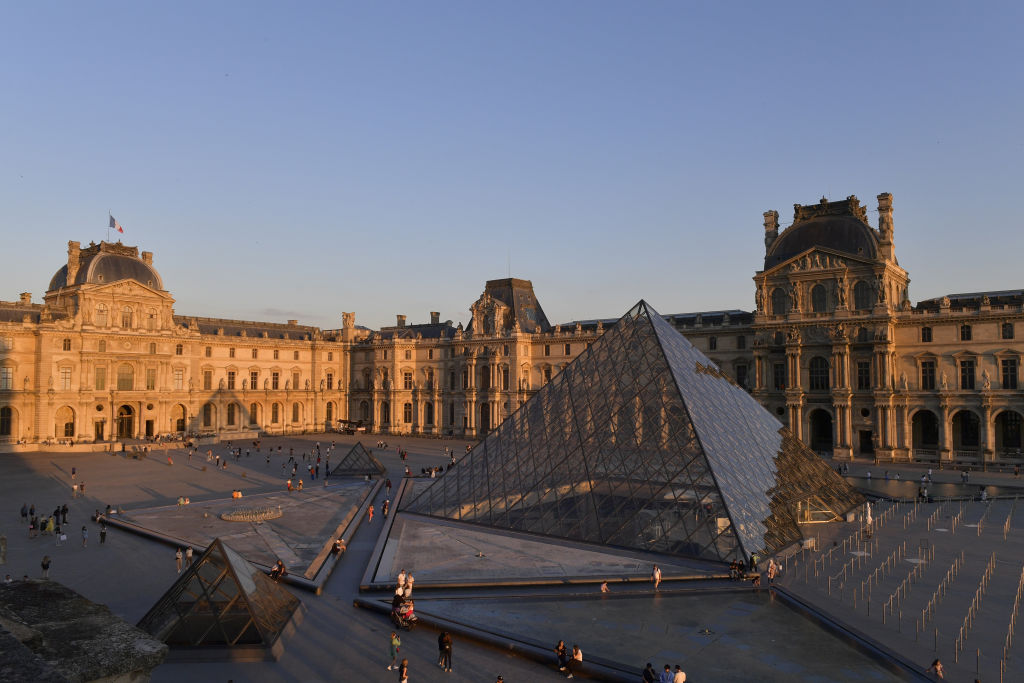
85, 536
74, 473
396, 645
401, 579
188, 556
384, 507
387, 486
370, 513
3, 549
444, 647
64, 513
679, 676
403, 671
666, 675
177, 559
24, 513
45, 564
656, 576
103, 533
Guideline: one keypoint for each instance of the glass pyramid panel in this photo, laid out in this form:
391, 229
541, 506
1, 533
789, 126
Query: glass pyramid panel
221, 600
358, 462
641, 442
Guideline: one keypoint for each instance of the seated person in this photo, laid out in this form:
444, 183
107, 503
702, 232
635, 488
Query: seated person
396, 602
339, 546
278, 571
407, 610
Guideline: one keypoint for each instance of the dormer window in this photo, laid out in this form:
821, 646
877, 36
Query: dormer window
126, 316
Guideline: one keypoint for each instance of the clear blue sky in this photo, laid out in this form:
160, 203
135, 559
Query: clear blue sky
296, 160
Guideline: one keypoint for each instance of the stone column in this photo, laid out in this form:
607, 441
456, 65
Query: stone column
946, 433
988, 440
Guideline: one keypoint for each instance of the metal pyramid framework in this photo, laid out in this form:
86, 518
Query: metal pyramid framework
358, 463
221, 601
642, 443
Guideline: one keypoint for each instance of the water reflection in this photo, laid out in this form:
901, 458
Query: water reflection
907, 489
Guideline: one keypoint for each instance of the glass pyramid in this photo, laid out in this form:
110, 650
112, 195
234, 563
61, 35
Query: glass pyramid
642, 443
220, 601
358, 463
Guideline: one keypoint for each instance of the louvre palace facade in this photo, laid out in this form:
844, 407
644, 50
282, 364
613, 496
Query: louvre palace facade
834, 348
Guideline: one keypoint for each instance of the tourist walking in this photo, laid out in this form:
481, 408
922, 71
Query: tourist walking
45, 564
103, 533
393, 648
403, 671
188, 556
177, 559
656, 576
24, 513
370, 513
444, 647
85, 536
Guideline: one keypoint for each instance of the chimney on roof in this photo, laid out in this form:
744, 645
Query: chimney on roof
26, 298
435, 317
293, 322
73, 251
401, 320
147, 258
771, 228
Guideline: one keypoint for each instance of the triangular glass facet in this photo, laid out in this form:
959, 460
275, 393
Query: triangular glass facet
641, 442
358, 462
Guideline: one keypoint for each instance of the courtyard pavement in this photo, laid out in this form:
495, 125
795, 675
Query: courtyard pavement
337, 641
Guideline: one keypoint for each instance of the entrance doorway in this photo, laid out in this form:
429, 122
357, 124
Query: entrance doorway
149, 429
821, 431
867, 443
485, 418
125, 422
99, 430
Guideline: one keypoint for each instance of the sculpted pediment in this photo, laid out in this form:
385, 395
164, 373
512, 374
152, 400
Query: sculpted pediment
129, 288
817, 260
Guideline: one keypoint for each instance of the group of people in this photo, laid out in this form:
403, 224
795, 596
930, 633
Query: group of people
568, 661
667, 676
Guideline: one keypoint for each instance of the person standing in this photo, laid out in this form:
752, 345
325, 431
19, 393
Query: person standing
177, 559
74, 473
45, 564
679, 676
666, 675
3, 548
24, 513
85, 536
649, 675
396, 645
444, 646
403, 671
401, 579
64, 513
188, 556
656, 576
103, 533
370, 514
387, 486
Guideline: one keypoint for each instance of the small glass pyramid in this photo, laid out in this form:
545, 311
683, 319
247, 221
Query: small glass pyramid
358, 463
220, 601
641, 442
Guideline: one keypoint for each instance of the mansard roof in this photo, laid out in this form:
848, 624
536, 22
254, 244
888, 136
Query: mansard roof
841, 226
106, 262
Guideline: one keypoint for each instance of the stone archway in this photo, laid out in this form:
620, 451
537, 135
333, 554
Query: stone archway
966, 430
1008, 433
125, 422
925, 429
820, 427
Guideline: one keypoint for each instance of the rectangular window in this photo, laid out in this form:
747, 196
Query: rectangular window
254, 379
407, 413
295, 355
209, 351
568, 349
928, 375
152, 348
65, 378
430, 354
330, 380
741, 342
547, 349
451, 380
231, 379
275, 413
1009, 370
101, 379
967, 374
407, 380
231, 414
150, 379
965, 333
275, 354
926, 334
741, 375
103, 346
275, 380
779, 376
330, 356
207, 379
465, 380
125, 378
863, 374
6, 378
179, 379
712, 343
231, 353
1006, 331
255, 354
207, 414
295, 380
66, 345
385, 352
178, 349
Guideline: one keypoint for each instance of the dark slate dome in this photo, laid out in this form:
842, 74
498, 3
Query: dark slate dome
99, 266
840, 226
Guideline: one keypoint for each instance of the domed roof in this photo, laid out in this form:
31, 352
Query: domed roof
839, 226
102, 264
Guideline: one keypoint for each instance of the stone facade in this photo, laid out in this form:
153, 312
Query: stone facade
834, 348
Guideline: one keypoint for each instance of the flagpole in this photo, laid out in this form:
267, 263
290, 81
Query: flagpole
108, 224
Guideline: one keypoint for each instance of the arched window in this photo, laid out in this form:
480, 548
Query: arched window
364, 411
126, 316
101, 315
863, 297
207, 414
819, 302
295, 412
275, 413
231, 414
125, 378
407, 413
6, 420
385, 412
428, 413
330, 412
818, 374
780, 301
254, 414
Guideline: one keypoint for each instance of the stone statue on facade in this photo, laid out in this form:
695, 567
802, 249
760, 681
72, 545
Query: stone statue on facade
307, 385
903, 381
986, 380
945, 382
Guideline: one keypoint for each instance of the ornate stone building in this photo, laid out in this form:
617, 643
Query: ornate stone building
834, 348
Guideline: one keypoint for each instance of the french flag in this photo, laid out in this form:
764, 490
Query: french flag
115, 225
